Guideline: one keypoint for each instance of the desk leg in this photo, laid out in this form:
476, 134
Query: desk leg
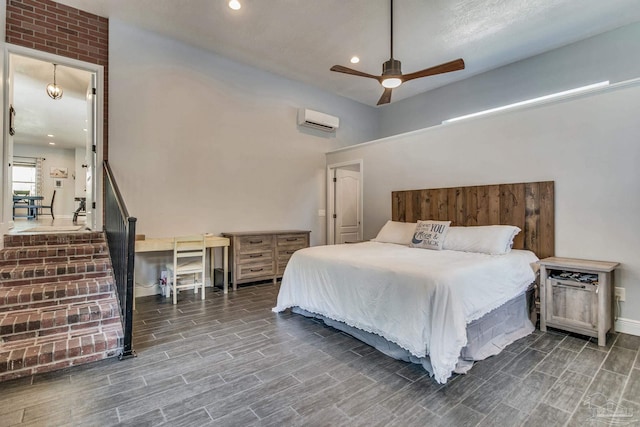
225, 269
212, 267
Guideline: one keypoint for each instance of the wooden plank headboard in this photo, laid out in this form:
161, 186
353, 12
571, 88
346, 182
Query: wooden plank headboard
527, 205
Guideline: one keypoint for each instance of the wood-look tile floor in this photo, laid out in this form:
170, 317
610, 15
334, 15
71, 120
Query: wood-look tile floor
229, 360
22, 224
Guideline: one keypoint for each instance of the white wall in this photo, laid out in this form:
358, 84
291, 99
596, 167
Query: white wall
588, 145
64, 204
608, 56
199, 143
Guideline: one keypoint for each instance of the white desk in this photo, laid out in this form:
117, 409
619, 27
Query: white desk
157, 244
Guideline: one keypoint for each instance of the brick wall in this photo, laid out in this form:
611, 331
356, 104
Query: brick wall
62, 30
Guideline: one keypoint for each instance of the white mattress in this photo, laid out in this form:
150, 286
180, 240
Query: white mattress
416, 298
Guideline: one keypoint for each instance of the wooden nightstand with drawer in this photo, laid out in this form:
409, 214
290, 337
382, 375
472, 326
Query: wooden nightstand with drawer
263, 255
577, 295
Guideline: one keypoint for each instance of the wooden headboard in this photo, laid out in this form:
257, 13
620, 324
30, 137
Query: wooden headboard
527, 205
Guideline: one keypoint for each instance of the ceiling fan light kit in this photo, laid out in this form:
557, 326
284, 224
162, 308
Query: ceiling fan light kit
392, 76
53, 90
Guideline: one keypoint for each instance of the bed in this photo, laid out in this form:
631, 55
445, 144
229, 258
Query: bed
440, 308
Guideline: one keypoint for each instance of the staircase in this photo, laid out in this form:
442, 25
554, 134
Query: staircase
58, 305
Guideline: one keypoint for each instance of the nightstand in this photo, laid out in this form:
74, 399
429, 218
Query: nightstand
577, 295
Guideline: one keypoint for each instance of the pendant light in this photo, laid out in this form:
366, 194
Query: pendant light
53, 90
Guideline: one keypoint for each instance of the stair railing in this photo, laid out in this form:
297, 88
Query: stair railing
120, 229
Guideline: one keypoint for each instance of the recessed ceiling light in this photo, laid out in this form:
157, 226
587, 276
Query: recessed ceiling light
52, 143
50, 136
355, 60
235, 4
84, 130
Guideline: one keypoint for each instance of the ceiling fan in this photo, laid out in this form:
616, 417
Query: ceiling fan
392, 76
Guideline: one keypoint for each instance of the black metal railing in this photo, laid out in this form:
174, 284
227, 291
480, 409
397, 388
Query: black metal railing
120, 229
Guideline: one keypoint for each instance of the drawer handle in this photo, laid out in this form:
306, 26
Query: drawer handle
290, 252
566, 285
292, 239
255, 242
256, 269
255, 256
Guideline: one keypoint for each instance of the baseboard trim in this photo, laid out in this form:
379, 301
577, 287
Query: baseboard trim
628, 326
145, 291
142, 290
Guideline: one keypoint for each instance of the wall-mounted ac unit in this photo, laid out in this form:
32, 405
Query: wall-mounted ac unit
317, 120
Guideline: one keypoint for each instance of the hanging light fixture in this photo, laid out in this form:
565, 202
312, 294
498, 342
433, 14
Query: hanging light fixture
53, 90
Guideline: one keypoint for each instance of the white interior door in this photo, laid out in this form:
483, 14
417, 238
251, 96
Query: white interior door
8, 146
90, 160
347, 206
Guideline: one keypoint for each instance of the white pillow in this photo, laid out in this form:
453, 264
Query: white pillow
396, 232
487, 239
430, 234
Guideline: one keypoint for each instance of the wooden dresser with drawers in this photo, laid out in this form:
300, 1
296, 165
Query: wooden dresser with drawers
263, 255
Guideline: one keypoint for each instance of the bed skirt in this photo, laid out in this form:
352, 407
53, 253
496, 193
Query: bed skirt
486, 336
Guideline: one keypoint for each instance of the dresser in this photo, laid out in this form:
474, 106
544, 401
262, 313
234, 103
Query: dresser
263, 255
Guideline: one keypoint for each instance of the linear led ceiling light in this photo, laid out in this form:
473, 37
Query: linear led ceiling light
530, 101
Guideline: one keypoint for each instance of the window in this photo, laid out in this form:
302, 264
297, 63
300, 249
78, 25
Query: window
24, 177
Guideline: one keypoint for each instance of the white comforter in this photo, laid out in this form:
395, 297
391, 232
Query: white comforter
419, 299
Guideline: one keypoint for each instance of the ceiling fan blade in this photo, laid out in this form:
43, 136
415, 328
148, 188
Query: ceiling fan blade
447, 67
345, 70
386, 97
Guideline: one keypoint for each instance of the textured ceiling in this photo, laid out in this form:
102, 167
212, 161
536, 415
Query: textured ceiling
302, 39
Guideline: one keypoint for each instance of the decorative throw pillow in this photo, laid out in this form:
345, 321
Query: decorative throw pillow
430, 234
396, 232
486, 239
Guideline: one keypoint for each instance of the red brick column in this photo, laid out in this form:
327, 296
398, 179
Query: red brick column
62, 30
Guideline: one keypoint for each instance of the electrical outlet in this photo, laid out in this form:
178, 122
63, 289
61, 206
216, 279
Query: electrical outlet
620, 294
